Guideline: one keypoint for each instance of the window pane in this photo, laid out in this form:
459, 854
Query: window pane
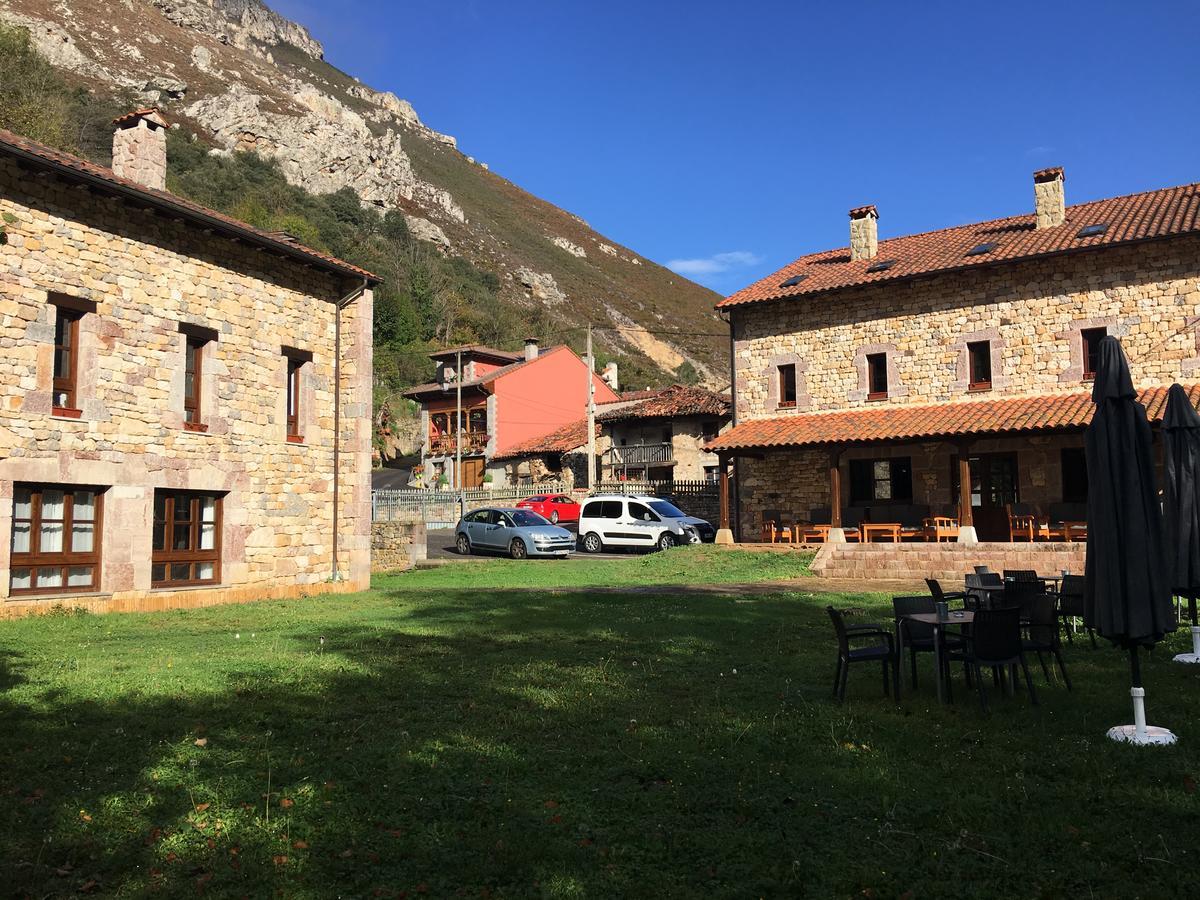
183, 509
208, 509
22, 503
22, 579
52, 504
62, 363
160, 536
84, 509
49, 577
883, 490
21, 533
79, 576
52, 537
160, 505
158, 572
181, 571
883, 469
81, 537
207, 536
204, 571
181, 538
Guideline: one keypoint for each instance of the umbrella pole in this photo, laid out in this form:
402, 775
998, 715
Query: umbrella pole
1139, 732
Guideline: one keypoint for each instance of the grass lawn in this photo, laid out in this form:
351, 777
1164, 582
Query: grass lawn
428, 738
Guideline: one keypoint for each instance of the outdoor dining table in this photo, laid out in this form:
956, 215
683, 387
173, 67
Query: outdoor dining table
957, 618
882, 529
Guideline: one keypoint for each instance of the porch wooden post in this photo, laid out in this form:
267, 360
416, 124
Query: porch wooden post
966, 518
724, 533
836, 534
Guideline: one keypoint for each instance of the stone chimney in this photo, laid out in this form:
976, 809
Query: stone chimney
610, 377
864, 232
531, 349
1049, 199
140, 148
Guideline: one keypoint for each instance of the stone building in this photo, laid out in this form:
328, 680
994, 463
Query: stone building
184, 399
948, 373
661, 437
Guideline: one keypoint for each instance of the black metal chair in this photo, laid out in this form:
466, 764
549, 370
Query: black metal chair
882, 653
1042, 634
1070, 605
917, 637
935, 590
995, 642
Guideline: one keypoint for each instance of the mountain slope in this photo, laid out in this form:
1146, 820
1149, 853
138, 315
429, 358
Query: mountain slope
245, 78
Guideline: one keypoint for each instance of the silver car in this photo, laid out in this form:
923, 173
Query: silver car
520, 533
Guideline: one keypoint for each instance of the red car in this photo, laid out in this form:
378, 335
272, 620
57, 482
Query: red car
555, 507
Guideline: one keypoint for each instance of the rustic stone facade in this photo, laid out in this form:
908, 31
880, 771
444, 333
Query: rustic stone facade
147, 276
686, 436
398, 544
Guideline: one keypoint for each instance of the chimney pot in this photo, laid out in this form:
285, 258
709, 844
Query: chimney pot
531, 349
864, 232
1050, 200
140, 148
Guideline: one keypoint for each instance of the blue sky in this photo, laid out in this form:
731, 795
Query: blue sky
726, 139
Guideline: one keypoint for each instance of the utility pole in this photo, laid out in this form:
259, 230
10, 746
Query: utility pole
458, 379
591, 414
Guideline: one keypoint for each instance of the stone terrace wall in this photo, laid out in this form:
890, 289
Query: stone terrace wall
147, 274
948, 563
397, 544
1148, 295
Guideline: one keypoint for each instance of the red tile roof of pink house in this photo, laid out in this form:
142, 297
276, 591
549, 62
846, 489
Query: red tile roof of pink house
1047, 412
32, 154
1165, 213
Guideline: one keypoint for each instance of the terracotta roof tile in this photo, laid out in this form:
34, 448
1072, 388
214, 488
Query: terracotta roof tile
73, 167
898, 423
1162, 213
478, 350
677, 400
562, 440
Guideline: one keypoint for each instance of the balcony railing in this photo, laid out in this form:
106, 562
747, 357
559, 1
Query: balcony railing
639, 455
446, 444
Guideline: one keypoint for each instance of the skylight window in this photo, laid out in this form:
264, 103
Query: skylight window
1091, 230
793, 281
980, 249
882, 266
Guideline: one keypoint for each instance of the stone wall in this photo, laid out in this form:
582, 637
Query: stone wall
948, 563
1148, 295
146, 275
397, 544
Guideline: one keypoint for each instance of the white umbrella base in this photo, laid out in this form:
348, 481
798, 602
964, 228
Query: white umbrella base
1187, 657
1152, 735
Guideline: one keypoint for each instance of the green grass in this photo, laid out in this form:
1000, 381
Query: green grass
441, 740
683, 565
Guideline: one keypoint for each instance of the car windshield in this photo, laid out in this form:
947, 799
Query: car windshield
523, 518
667, 510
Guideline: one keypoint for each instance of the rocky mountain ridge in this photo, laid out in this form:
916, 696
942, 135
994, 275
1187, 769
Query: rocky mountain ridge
245, 78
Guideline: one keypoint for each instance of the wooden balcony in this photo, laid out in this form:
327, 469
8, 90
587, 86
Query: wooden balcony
473, 443
640, 455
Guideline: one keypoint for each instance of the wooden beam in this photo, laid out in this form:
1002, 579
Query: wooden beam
723, 466
965, 516
835, 487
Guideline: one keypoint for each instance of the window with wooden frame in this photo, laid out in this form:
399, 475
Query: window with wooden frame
55, 539
1091, 338
197, 337
881, 480
877, 376
186, 546
787, 386
294, 397
979, 363
66, 362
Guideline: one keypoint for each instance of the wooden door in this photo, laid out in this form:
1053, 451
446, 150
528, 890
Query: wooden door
994, 489
472, 472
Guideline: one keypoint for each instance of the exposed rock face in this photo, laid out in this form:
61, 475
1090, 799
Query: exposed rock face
424, 230
238, 22
564, 244
541, 286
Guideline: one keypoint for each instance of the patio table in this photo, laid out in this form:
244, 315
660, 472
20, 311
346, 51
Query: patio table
883, 529
958, 618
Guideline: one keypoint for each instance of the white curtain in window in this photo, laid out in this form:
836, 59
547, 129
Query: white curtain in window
208, 519
20, 539
85, 507
82, 536
22, 503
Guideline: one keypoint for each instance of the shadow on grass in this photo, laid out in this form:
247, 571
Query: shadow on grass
502, 743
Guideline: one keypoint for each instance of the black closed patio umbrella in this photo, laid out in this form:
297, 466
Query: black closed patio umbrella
1127, 597
1181, 505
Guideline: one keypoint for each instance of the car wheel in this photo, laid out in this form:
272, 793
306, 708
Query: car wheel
554, 517
464, 545
666, 541
592, 542
517, 549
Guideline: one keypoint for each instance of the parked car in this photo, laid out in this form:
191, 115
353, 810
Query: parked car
555, 507
518, 532
614, 520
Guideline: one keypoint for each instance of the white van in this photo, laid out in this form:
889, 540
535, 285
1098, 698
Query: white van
614, 520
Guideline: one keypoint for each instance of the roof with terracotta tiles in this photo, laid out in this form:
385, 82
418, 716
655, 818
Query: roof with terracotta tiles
76, 169
562, 440
1052, 412
676, 400
1169, 212
479, 350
